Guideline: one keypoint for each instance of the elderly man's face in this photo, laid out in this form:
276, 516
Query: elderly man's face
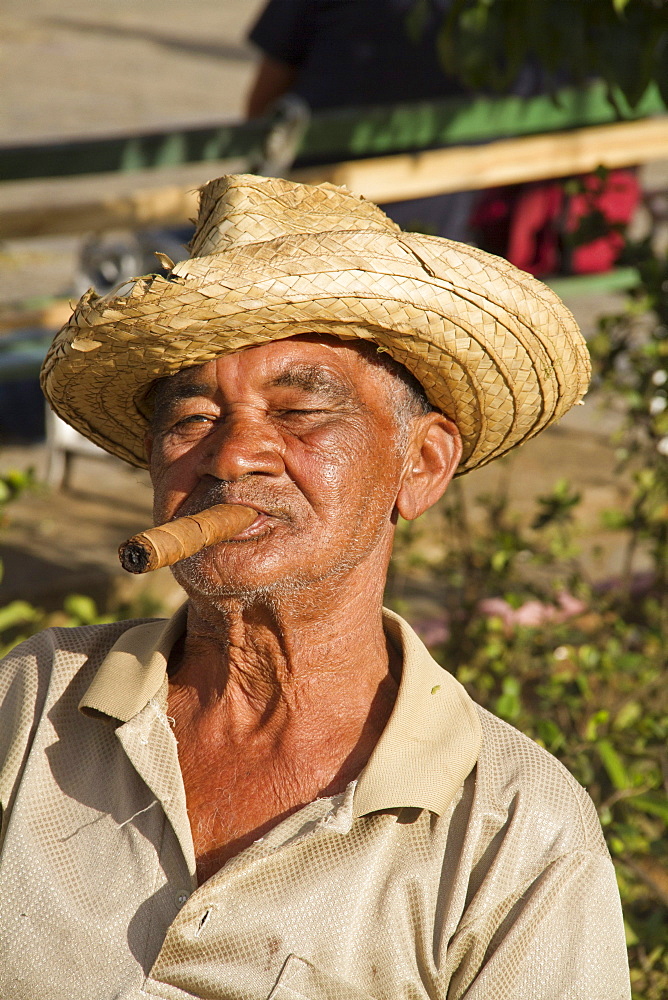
305, 431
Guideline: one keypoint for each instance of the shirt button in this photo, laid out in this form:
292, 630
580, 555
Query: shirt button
181, 899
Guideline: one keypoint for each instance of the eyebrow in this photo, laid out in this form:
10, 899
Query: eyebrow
167, 393
312, 378
309, 378
187, 390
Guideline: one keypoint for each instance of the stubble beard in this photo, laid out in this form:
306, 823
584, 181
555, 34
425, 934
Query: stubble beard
198, 579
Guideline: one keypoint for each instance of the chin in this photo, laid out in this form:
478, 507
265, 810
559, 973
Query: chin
202, 575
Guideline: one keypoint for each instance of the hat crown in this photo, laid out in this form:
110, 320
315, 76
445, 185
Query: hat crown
245, 208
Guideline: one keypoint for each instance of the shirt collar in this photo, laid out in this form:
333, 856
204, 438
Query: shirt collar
428, 747
133, 671
431, 741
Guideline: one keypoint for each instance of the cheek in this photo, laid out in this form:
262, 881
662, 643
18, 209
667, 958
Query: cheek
173, 481
333, 470
352, 468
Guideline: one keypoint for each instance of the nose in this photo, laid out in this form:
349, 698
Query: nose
243, 443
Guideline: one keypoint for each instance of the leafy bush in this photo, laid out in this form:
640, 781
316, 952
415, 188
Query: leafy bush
20, 619
623, 42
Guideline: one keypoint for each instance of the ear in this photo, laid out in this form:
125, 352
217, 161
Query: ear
434, 453
148, 446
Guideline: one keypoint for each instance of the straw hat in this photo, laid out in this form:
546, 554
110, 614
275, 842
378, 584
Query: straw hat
495, 349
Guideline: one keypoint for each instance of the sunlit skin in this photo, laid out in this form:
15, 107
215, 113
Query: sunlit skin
284, 681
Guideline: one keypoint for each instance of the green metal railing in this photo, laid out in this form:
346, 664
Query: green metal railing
334, 135
329, 136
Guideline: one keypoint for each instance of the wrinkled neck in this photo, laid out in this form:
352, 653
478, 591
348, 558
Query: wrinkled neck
298, 654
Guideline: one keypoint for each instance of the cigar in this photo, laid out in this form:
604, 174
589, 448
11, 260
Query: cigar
176, 540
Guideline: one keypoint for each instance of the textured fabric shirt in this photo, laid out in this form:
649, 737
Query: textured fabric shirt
464, 862
350, 53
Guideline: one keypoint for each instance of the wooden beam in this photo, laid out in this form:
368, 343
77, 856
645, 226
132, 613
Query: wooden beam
127, 153
509, 161
47, 317
161, 206
382, 179
337, 133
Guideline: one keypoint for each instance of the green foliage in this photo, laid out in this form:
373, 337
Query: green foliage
579, 667
631, 356
16, 614
485, 43
19, 619
13, 484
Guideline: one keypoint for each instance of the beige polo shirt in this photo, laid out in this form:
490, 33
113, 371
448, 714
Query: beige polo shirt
463, 862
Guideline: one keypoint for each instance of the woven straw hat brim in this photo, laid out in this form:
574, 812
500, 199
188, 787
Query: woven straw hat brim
495, 349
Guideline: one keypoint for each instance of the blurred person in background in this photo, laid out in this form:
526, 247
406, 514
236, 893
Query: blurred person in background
346, 54
337, 54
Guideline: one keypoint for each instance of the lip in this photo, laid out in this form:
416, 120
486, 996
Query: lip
265, 522
255, 528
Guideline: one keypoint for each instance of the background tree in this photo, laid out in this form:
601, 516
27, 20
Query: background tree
485, 43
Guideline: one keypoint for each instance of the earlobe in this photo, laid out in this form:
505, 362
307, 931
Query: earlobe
434, 454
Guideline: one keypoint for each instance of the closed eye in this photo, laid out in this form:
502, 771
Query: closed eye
306, 416
304, 410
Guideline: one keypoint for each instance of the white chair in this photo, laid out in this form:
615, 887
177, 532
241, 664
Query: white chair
63, 443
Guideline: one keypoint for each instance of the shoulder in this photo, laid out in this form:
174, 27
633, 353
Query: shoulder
51, 668
50, 660
519, 780
283, 29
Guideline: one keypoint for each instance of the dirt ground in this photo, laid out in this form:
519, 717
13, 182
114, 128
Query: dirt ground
89, 67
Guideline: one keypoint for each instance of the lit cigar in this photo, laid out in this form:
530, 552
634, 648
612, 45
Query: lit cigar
176, 540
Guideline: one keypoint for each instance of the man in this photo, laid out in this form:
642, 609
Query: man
278, 793
345, 55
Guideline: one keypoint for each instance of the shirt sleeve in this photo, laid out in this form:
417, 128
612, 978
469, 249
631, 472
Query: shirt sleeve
562, 938
284, 30
23, 686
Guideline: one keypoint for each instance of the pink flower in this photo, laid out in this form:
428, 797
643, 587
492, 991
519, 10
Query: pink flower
532, 613
432, 631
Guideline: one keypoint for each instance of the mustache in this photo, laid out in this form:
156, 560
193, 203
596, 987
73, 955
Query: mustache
245, 491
